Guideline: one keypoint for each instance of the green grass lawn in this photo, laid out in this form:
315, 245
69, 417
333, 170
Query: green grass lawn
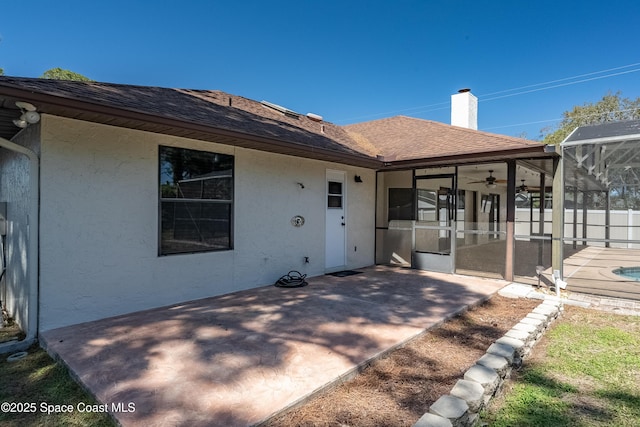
584, 372
35, 385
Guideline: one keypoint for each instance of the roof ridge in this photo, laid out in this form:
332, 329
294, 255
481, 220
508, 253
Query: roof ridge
210, 111
441, 124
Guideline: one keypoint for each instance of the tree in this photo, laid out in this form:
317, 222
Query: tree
1, 71
611, 108
60, 74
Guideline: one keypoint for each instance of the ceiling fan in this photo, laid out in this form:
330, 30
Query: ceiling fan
490, 181
524, 189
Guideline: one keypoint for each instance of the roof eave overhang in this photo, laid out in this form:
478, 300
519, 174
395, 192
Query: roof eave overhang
471, 158
601, 140
98, 113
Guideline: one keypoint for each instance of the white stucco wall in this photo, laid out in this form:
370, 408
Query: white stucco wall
15, 184
99, 223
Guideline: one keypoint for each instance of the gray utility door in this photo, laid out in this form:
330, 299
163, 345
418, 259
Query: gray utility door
336, 212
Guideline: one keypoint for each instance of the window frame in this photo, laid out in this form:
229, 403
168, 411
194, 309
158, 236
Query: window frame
401, 212
332, 195
164, 201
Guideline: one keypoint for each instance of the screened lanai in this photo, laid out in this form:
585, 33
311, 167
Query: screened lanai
572, 213
601, 243
498, 211
454, 199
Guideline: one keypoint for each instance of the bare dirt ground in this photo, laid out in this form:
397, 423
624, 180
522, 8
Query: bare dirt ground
9, 330
399, 389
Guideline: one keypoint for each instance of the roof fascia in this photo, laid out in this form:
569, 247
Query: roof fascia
603, 140
461, 159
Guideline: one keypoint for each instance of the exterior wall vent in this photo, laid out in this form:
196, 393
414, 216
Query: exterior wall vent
281, 109
314, 117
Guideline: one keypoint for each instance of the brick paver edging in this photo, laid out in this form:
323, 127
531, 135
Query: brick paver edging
484, 380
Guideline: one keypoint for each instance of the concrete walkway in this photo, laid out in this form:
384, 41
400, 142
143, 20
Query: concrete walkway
237, 359
613, 305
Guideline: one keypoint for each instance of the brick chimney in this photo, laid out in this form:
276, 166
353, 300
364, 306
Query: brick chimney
464, 109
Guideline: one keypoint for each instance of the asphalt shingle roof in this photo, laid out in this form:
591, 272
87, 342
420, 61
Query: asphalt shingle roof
406, 138
207, 112
204, 107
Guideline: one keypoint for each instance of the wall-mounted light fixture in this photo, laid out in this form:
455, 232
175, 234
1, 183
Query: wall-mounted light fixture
300, 184
357, 178
29, 115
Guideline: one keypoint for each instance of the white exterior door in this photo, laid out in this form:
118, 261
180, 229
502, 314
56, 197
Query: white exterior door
335, 202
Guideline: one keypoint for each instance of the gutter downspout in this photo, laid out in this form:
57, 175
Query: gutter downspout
33, 223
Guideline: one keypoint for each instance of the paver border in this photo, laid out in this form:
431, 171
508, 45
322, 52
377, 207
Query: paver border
462, 406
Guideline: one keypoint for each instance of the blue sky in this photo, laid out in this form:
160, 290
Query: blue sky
349, 61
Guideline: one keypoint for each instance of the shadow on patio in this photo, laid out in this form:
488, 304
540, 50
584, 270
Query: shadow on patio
236, 359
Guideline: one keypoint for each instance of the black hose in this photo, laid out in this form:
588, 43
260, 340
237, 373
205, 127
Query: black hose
293, 279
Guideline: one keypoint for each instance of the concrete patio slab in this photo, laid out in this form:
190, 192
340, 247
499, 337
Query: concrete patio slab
237, 359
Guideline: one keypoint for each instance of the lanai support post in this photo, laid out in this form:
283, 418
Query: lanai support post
607, 219
557, 216
543, 197
584, 217
511, 216
575, 215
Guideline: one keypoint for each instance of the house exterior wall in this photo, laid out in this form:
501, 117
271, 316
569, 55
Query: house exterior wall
15, 191
99, 223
